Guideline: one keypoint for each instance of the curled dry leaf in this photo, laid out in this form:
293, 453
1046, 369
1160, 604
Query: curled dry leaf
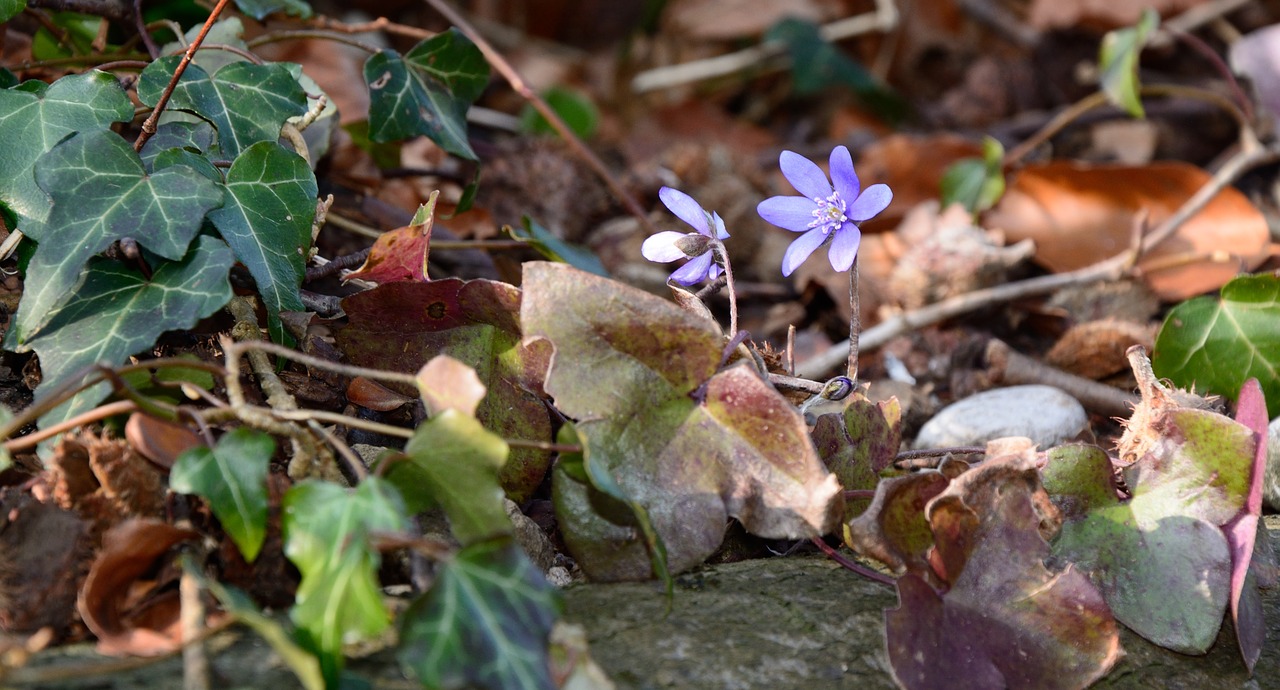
1079, 215
448, 384
124, 622
373, 395
157, 440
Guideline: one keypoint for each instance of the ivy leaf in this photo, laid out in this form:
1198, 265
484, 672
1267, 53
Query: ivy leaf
454, 463
427, 91
976, 183
101, 194
261, 9
485, 621
35, 116
556, 249
246, 103
1118, 60
10, 9
117, 312
326, 535
691, 445
232, 477
266, 219
1216, 344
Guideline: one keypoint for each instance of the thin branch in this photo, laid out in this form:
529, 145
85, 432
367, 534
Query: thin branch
97, 414
850, 564
379, 24
149, 127
521, 87
303, 34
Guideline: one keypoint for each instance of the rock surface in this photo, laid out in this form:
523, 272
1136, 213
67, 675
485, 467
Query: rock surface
1045, 414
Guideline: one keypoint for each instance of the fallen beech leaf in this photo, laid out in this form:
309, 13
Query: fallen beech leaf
129, 551
373, 395
157, 440
1007, 621
1081, 214
693, 446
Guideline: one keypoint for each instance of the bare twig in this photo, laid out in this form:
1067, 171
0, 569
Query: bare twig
521, 87
1006, 366
97, 414
850, 564
379, 24
149, 127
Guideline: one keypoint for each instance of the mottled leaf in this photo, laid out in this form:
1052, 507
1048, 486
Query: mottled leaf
631, 367
485, 622
893, 529
427, 91
1007, 620
1242, 530
400, 326
859, 442
232, 477
35, 116
1215, 344
101, 194
400, 254
454, 463
271, 201
246, 103
326, 535
117, 312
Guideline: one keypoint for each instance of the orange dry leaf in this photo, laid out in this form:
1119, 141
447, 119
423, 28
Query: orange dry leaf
1100, 14
1080, 214
912, 166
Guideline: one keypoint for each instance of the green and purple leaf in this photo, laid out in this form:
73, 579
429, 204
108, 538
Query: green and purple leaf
858, 443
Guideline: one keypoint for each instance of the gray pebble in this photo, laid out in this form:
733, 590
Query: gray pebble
1271, 476
1045, 414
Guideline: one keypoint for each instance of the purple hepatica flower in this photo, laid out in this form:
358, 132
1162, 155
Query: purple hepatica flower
670, 245
823, 213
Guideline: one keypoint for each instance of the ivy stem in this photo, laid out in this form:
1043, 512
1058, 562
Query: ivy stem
149, 127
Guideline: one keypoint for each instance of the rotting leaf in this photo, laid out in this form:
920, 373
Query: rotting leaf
741, 451
399, 326
1081, 214
232, 476
1242, 531
326, 532
858, 443
1007, 621
108, 603
1215, 344
400, 254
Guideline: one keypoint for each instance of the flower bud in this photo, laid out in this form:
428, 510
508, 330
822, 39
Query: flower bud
693, 244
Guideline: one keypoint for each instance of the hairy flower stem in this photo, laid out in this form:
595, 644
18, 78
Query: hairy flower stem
855, 322
722, 258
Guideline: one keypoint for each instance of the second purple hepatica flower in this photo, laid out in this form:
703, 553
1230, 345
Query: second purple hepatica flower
828, 211
670, 245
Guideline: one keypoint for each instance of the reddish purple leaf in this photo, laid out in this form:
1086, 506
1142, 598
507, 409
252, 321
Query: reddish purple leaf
1242, 531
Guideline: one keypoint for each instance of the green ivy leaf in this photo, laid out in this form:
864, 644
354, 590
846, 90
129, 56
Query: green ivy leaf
976, 183
326, 535
261, 9
266, 219
1118, 60
10, 9
101, 194
454, 462
246, 103
1215, 345
35, 116
816, 64
427, 91
117, 312
232, 477
574, 108
484, 622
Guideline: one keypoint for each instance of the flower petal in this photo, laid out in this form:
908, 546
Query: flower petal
721, 233
791, 212
843, 177
694, 271
804, 175
661, 248
801, 249
844, 248
872, 201
685, 208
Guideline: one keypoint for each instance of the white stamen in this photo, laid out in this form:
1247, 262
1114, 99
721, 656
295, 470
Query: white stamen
829, 214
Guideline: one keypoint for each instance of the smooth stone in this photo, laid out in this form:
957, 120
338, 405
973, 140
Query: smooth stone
1271, 475
1045, 414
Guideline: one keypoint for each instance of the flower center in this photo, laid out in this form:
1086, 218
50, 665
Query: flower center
829, 213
